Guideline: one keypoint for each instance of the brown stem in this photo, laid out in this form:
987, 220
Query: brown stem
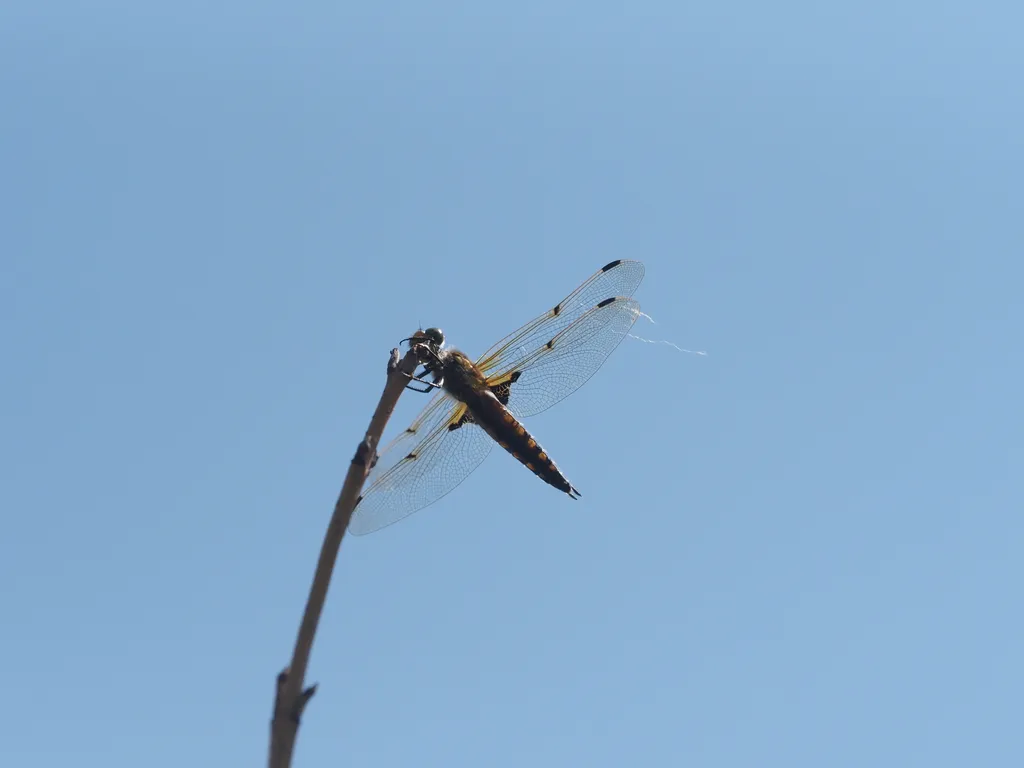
291, 699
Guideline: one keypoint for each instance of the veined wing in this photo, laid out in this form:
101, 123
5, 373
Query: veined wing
618, 279
421, 465
532, 382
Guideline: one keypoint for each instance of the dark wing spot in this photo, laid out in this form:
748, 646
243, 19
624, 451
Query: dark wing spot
411, 456
465, 418
606, 302
550, 344
611, 265
557, 309
410, 431
503, 390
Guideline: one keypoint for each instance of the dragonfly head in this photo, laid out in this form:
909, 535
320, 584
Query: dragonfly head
427, 345
434, 337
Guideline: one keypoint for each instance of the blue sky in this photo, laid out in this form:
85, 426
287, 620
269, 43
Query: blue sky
800, 550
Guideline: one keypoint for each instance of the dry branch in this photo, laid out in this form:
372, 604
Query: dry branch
291, 698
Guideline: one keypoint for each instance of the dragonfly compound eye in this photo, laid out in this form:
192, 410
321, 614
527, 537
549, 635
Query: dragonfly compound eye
435, 336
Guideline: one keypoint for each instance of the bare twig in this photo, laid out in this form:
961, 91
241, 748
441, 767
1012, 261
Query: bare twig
291, 698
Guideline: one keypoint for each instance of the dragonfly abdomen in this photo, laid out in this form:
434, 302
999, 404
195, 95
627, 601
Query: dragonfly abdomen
511, 435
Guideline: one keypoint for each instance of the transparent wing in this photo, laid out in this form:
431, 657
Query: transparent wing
617, 279
533, 382
421, 465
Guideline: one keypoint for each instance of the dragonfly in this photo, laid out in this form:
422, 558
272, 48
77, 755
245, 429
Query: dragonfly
480, 403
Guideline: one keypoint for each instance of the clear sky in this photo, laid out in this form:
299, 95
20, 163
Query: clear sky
801, 550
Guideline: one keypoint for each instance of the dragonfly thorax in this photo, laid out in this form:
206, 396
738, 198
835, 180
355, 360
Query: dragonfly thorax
460, 376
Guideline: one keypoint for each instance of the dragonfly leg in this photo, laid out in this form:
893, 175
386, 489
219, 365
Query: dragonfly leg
430, 385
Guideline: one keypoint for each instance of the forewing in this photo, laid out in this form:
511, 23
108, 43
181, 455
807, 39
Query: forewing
617, 279
421, 465
564, 363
